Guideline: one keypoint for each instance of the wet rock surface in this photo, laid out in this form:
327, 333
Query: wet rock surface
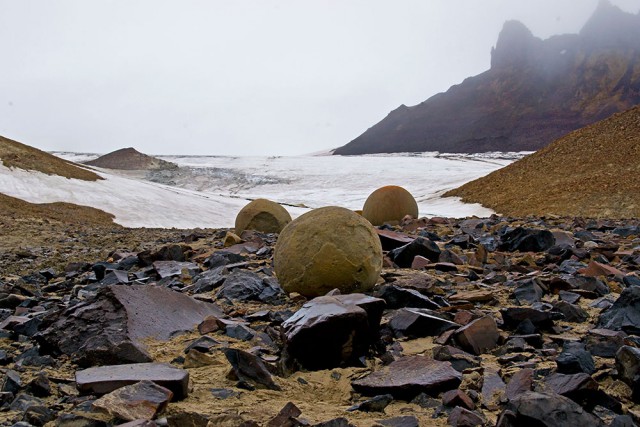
523, 330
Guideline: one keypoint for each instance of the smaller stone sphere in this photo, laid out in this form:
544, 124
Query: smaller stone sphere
328, 248
389, 205
262, 215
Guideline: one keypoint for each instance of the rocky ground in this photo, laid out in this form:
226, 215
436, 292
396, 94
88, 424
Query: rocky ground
496, 321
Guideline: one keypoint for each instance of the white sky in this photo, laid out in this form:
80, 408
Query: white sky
238, 76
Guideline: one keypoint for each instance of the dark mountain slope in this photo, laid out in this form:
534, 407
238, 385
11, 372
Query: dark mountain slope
535, 92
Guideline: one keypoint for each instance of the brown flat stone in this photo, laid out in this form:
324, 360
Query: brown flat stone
596, 269
143, 400
479, 335
521, 382
105, 379
409, 376
479, 295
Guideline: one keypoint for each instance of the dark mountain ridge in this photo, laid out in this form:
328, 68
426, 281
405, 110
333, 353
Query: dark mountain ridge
535, 92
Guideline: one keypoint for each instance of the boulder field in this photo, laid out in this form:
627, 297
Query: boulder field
473, 322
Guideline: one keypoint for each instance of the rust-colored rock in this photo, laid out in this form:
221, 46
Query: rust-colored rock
479, 336
143, 400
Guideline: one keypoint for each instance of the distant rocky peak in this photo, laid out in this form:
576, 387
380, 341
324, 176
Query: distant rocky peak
610, 26
516, 46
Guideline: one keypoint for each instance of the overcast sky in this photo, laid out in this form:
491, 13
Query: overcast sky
267, 77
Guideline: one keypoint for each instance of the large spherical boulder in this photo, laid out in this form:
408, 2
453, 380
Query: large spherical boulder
328, 248
389, 205
262, 215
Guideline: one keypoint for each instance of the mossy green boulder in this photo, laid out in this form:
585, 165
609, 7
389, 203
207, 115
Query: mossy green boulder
327, 248
389, 205
262, 215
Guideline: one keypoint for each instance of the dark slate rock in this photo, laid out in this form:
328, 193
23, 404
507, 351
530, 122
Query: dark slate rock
166, 269
403, 256
34, 411
326, 333
624, 314
221, 258
572, 313
375, 404
249, 370
105, 379
415, 322
588, 283
76, 420
115, 277
575, 359
459, 359
241, 285
100, 269
409, 376
453, 398
527, 292
272, 293
526, 240
287, 417
111, 328
571, 266
626, 231
461, 417
209, 280
398, 297
545, 409
10, 381
336, 422
622, 421
513, 316
240, 332
631, 280
572, 385
391, 240
203, 344
493, 389
628, 364
604, 342
570, 297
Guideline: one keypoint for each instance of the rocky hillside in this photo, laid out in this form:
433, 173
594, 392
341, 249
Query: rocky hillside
13, 154
535, 92
130, 159
592, 172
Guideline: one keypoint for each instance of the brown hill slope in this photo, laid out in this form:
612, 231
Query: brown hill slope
592, 172
16, 155
130, 159
535, 92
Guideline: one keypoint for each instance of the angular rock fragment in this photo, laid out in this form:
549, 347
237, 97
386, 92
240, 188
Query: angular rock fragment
398, 297
415, 322
110, 328
375, 404
604, 342
286, 417
573, 386
459, 359
404, 255
249, 370
575, 359
105, 379
493, 389
409, 376
545, 409
461, 417
326, 333
143, 400
479, 336
520, 382
624, 314
526, 240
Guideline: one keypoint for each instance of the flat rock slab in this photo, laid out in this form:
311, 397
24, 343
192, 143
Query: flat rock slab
408, 377
548, 409
143, 400
105, 379
109, 329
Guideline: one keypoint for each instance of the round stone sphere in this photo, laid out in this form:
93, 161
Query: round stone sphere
328, 248
262, 215
389, 205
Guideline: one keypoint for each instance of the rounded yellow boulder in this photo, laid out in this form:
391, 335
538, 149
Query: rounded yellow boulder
328, 248
389, 205
262, 215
